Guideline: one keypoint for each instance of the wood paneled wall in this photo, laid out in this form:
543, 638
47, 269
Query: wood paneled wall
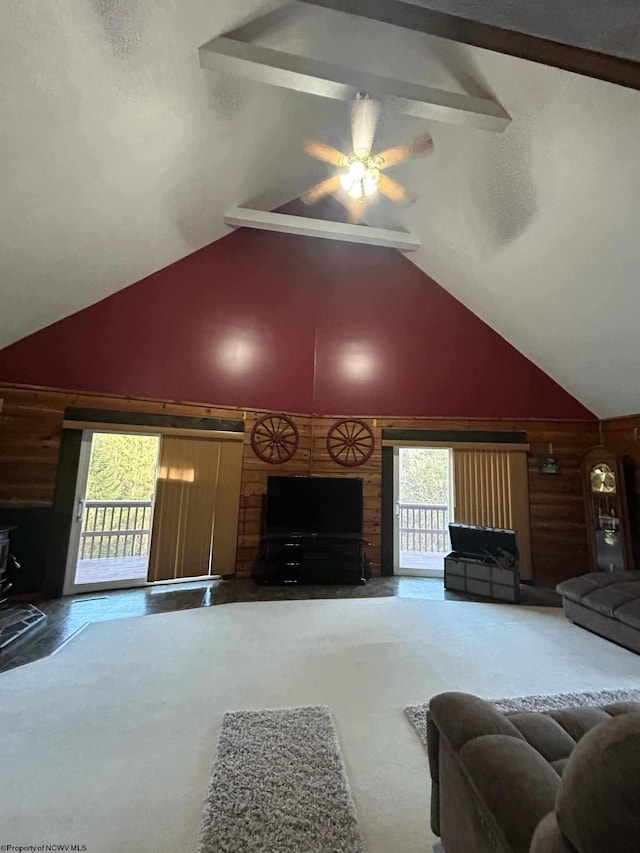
254, 487
622, 436
558, 527
371, 472
31, 429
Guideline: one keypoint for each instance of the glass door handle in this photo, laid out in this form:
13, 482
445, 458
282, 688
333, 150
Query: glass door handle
80, 510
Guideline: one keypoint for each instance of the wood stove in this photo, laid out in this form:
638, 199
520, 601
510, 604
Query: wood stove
5, 584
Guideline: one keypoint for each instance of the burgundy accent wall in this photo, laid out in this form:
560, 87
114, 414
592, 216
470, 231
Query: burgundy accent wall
289, 323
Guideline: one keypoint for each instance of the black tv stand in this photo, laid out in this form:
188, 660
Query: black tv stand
311, 559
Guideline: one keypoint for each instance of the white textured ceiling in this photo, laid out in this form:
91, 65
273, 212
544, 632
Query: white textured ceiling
612, 26
119, 155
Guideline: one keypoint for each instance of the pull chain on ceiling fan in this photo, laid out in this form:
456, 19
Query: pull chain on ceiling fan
361, 170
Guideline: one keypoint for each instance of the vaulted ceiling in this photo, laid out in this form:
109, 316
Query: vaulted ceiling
120, 155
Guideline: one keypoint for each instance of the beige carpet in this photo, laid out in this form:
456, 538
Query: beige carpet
109, 743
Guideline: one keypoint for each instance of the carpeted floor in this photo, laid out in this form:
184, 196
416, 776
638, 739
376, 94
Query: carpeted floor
109, 742
70, 615
279, 785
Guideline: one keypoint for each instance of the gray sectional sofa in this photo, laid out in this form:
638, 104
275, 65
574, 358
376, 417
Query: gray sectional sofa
607, 603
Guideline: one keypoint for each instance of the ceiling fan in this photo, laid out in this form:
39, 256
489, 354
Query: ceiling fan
361, 175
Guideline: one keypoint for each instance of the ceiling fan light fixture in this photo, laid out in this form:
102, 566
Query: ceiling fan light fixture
361, 179
361, 173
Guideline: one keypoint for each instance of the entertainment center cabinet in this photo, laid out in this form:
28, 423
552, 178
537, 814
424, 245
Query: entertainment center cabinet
312, 532
311, 560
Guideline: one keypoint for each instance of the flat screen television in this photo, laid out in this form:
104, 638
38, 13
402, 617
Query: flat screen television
313, 506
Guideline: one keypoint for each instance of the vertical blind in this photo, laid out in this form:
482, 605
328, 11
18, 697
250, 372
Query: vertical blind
196, 508
491, 489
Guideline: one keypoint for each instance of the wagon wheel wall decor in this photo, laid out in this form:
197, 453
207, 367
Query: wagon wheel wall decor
350, 442
274, 438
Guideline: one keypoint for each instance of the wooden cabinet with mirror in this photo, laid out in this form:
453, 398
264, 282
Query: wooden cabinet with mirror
606, 510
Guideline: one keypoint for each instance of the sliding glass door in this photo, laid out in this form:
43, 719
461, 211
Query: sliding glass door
433, 486
423, 509
151, 508
111, 526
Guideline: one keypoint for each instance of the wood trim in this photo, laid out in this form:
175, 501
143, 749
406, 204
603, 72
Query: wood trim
305, 226
579, 60
227, 509
464, 445
606, 422
449, 436
121, 417
63, 509
244, 411
341, 83
386, 512
208, 434
520, 517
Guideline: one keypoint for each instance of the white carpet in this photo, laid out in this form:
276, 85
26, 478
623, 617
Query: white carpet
110, 742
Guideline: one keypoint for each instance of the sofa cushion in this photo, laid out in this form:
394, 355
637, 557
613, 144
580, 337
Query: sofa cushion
577, 721
608, 599
604, 592
559, 765
545, 734
460, 717
615, 595
616, 709
629, 614
548, 839
514, 781
597, 806
576, 588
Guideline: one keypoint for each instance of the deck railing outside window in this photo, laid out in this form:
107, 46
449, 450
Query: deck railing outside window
424, 527
115, 529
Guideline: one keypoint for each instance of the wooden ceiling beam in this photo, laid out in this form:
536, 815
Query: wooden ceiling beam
327, 80
569, 57
284, 223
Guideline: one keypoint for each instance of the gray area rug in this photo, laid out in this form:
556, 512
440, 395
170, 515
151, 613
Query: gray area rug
279, 786
417, 714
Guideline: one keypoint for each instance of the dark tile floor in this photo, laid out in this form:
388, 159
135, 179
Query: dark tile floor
66, 617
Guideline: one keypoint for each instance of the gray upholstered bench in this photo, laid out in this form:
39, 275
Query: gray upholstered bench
607, 603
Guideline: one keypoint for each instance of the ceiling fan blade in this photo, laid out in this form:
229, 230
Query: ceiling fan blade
324, 188
355, 209
324, 152
392, 156
392, 189
364, 118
